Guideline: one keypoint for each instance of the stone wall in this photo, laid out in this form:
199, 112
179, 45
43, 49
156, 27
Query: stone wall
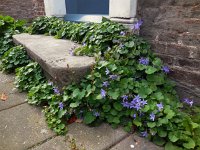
173, 29
22, 9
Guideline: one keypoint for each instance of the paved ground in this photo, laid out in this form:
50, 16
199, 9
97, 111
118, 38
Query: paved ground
23, 127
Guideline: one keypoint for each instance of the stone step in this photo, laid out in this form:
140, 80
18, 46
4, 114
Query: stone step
54, 57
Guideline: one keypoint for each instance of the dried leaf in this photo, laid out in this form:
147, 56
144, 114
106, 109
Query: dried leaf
79, 121
3, 97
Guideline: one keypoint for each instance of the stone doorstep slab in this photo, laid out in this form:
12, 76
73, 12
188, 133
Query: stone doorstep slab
90, 138
53, 56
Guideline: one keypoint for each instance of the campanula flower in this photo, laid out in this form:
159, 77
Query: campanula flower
144, 134
152, 116
107, 71
160, 106
134, 116
113, 77
144, 61
122, 33
56, 90
124, 97
103, 93
106, 84
61, 105
188, 101
96, 114
137, 25
165, 69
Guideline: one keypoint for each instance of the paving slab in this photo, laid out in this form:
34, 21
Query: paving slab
6, 78
53, 56
134, 142
14, 97
22, 127
57, 143
90, 138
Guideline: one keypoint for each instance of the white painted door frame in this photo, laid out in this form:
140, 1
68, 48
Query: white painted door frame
119, 10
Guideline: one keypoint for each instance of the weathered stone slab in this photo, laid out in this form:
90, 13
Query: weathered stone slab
53, 56
22, 127
6, 78
134, 142
57, 143
14, 97
90, 138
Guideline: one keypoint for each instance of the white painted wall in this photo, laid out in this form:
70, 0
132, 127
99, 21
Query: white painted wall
123, 8
55, 8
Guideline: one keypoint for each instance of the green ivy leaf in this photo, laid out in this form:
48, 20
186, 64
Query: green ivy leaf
158, 96
159, 141
150, 70
190, 144
116, 120
113, 112
61, 126
74, 105
106, 108
170, 146
130, 44
118, 106
162, 133
113, 94
157, 79
89, 118
157, 62
99, 96
144, 91
172, 137
194, 125
137, 123
61, 113
151, 124
146, 108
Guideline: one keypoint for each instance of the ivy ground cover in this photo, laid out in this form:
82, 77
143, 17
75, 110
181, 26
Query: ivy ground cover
127, 87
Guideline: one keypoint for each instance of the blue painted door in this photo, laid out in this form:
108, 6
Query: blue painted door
87, 6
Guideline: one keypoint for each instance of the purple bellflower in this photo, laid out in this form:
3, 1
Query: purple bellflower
160, 106
124, 97
113, 77
103, 93
106, 84
188, 101
96, 114
152, 116
107, 71
144, 61
144, 134
137, 25
165, 69
56, 90
122, 33
61, 105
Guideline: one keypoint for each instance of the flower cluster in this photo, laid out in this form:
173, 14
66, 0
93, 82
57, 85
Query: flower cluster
106, 83
137, 103
144, 61
188, 101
